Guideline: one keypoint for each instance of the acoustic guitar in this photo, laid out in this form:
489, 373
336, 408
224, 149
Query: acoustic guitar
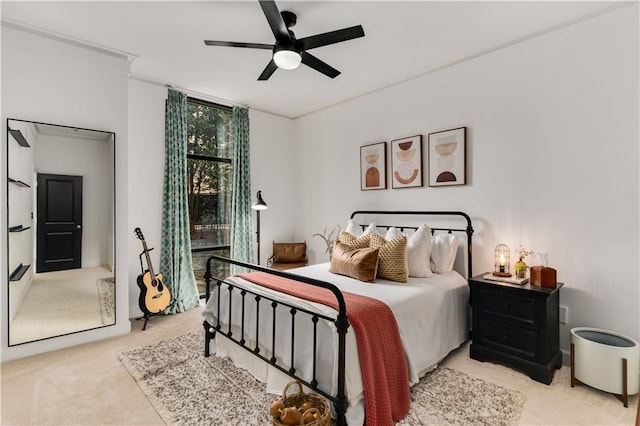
154, 295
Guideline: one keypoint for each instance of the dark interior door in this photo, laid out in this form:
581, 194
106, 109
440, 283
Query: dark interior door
59, 224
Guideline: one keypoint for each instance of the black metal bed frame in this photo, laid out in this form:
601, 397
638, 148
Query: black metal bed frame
341, 321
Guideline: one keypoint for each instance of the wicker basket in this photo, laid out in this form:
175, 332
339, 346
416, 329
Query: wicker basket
320, 405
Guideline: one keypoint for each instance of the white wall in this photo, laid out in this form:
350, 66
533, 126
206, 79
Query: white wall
146, 171
89, 159
274, 172
47, 81
552, 159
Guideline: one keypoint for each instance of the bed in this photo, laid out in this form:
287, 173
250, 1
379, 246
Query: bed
315, 343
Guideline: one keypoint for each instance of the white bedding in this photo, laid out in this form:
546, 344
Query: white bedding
431, 314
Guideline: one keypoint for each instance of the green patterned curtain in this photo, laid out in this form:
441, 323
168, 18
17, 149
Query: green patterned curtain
241, 223
175, 257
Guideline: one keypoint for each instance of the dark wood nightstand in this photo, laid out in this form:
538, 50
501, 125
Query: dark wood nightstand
517, 325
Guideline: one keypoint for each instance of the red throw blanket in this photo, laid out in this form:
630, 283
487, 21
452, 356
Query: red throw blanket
384, 370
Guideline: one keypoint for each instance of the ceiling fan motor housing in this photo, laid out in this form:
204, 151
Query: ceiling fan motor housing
290, 19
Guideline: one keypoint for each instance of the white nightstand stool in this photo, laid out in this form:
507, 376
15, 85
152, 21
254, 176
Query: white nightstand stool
605, 360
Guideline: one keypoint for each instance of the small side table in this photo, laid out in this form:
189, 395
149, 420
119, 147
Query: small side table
517, 325
605, 360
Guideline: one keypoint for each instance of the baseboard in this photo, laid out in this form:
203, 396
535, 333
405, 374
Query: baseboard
134, 312
566, 357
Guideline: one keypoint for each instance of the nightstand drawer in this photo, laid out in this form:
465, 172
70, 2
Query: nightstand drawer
519, 341
509, 306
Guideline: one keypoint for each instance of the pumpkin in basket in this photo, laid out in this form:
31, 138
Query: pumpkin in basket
290, 416
276, 408
300, 408
310, 415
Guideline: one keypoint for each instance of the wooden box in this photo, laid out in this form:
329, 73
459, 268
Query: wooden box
542, 276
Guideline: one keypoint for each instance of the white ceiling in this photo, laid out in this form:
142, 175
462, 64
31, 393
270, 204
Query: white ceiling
402, 40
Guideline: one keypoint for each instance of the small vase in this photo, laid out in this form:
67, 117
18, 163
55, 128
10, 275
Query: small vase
521, 268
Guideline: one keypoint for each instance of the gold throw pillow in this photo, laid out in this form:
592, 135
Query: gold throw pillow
392, 257
353, 241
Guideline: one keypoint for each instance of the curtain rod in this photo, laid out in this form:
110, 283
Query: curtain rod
188, 92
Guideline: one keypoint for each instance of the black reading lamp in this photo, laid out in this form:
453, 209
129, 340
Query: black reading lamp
257, 206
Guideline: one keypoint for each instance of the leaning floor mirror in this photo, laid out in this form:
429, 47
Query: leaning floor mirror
61, 242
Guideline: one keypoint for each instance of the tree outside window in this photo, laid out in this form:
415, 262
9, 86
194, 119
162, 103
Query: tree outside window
209, 154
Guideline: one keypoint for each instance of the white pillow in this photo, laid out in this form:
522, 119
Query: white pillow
353, 229
443, 252
418, 250
392, 233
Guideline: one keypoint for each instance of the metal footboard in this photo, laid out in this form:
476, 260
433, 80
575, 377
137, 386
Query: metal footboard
246, 296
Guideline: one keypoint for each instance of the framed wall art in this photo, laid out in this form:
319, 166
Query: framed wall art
448, 157
373, 166
406, 162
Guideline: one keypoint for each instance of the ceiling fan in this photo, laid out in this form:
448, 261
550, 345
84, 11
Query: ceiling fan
288, 51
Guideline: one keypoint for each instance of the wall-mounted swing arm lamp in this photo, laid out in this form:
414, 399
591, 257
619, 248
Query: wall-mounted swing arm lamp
258, 205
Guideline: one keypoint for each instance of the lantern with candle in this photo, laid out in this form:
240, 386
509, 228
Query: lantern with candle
502, 266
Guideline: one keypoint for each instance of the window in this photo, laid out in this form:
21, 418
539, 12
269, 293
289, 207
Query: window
208, 183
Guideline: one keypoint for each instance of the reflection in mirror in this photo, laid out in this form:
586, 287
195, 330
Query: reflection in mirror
61, 230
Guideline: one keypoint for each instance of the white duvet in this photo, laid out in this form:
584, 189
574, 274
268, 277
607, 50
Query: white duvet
431, 314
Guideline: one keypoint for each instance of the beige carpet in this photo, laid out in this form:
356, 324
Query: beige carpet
88, 385
188, 389
59, 303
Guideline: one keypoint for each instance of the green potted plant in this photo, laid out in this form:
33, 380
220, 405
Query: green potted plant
521, 266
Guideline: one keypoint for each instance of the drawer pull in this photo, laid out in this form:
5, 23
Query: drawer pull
507, 306
505, 337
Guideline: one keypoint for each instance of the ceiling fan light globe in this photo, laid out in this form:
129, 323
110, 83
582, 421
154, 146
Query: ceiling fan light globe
287, 59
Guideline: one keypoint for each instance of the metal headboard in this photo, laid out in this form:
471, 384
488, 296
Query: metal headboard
468, 230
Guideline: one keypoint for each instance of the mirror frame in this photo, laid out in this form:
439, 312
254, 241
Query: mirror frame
7, 244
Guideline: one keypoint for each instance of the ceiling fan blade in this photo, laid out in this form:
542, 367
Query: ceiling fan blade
238, 44
270, 69
318, 65
331, 37
275, 20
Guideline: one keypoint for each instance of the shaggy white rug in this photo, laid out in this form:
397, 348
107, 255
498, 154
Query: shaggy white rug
188, 389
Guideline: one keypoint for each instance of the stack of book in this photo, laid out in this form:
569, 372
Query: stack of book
510, 280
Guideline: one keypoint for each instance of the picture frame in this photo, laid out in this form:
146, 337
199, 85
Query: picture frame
406, 162
373, 166
448, 157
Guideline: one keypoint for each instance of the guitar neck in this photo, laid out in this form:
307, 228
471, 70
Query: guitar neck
148, 258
